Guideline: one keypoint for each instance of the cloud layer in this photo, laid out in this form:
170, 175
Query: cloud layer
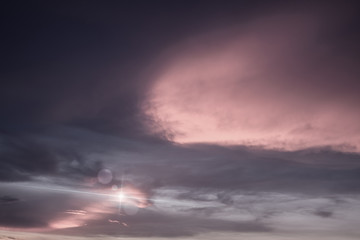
191, 190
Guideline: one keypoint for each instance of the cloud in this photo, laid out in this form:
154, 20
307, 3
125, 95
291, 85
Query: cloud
8, 200
29, 214
324, 214
312, 171
193, 189
20, 158
56, 151
40, 207
150, 223
281, 80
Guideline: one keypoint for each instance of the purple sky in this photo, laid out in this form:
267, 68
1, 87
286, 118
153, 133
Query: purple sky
180, 120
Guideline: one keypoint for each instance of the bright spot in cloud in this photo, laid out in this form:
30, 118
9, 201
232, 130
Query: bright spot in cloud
121, 196
131, 199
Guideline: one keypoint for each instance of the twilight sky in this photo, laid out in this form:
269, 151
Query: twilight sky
180, 120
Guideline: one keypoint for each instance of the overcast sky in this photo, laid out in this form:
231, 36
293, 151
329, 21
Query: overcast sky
179, 120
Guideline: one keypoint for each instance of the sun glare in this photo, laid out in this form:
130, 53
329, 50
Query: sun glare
121, 196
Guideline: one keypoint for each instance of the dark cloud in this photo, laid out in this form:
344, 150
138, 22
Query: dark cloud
57, 152
8, 200
234, 169
7, 238
20, 158
324, 214
32, 212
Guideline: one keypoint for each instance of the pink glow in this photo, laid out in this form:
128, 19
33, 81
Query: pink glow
267, 84
77, 218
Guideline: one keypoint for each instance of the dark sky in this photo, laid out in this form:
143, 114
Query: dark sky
179, 119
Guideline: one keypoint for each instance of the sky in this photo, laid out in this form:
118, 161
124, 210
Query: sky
179, 120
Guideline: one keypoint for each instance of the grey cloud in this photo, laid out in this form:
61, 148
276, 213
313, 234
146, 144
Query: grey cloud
54, 152
8, 199
206, 174
316, 172
38, 206
324, 214
148, 223
20, 158
30, 214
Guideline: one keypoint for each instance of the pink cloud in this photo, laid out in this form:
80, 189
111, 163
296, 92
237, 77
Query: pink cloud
272, 82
